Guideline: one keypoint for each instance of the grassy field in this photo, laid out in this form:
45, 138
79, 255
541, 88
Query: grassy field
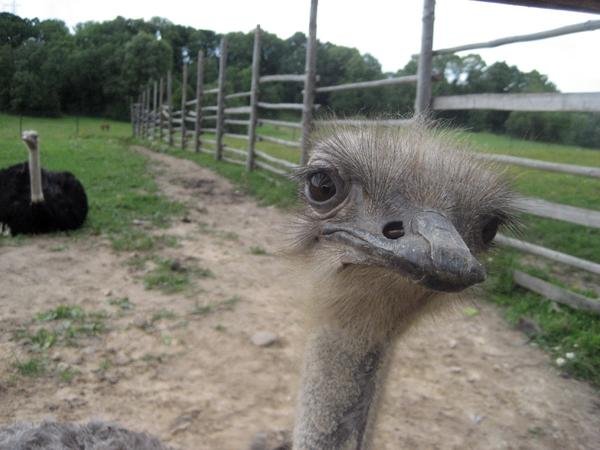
121, 190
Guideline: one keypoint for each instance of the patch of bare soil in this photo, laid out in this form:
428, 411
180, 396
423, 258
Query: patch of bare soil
183, 366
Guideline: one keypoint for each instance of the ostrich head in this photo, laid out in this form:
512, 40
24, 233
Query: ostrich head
30, 138
391, 218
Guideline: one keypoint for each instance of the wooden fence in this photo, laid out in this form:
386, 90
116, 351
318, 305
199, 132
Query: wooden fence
153, 119
587, 102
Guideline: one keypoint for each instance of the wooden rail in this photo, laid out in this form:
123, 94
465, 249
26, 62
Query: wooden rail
234, 150
292, 106
238, 110
237, 122
280, 123
360, 123
270, 168
236, 136
590, 25
369, 84
544, 252
583, 102
542, 165
238, 95
279, 141
284, 77
556, 293
272, 159
543, 208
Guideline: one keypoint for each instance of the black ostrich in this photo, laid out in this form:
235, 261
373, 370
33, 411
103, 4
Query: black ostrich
34, 200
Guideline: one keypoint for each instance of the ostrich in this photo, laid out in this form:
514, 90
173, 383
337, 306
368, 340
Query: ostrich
34, 200
391, 225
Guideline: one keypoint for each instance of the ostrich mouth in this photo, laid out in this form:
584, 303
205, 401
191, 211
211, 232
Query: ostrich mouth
432, 254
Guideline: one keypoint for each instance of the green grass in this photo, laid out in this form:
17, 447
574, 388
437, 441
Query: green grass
119, 186
170, 276
63, 325
32, 367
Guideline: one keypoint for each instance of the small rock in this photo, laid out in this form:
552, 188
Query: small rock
476, 418
455, 369
108, 293
570, 355
560, 361
264, 338
186, 219
121, 360
176, 266
473, 377
62, 366
452, 343
271, 440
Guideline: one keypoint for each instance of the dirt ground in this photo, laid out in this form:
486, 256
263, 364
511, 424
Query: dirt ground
183, 366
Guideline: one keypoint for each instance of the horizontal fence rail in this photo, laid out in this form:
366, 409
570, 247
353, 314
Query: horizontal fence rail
369, 84
544, 252
238, 110
283, 77
590, 25
556, 293
280, 123
572, 214
360, 123
583, 102
542, 165
292, 106
275, 160
279, 141
238, 95
270, 168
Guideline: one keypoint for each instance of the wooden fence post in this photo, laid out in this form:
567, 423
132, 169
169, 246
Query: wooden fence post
148, 113
154, 108
199, 94
423, 98
183, 105
161, 98
254, 92
143, 114
170, 105
221, 98
132, 115
309, 83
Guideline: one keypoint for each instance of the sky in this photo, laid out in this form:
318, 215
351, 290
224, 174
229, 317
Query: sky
390, 30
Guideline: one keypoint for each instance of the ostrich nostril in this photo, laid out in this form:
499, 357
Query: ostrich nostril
393, 230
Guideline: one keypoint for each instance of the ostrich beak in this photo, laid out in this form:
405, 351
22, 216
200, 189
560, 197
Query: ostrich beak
429, 251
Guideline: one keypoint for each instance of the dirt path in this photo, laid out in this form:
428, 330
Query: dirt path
183, 367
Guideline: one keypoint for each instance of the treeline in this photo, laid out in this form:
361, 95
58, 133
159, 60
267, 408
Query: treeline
99, 67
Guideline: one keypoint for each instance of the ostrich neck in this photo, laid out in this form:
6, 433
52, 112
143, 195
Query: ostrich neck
341, 379
35, 176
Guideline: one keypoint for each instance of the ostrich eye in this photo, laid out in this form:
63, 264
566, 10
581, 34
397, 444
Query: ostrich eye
489, 230
320, 187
